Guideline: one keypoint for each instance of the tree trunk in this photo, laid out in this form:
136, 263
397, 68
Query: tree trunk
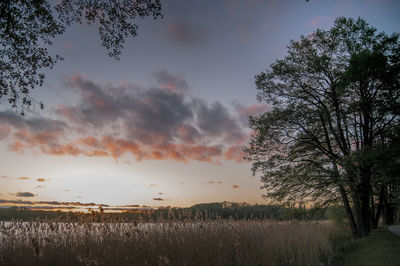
349, 213
357, 204
345, 201
379, 208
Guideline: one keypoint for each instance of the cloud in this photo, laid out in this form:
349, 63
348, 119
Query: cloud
214, 182
160, 193
175, 83
5, 177
151, 115
72, 203
40, 186
33, 124
50, 207
235, 186
235, 153
55, 203
243, 112
23, 178
185, 34
156, 123
215, 120
42, 179
158, 199
129, 206
25, 194
4, 131
153, 185
2, 201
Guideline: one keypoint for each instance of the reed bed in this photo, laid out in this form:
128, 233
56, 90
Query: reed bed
205, 242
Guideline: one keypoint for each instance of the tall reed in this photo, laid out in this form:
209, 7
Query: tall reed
171, 242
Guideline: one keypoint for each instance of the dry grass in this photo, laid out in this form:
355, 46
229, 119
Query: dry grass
218, 242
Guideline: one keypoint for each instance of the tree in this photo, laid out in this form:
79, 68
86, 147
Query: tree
28, 26
335, 103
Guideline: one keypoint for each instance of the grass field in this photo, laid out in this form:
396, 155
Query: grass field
381, 248
217, 242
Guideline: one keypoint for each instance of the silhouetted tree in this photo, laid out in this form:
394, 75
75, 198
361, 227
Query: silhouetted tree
335, 107
28, 26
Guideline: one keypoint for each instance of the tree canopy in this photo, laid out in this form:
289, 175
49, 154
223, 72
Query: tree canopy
28, 27
333, 132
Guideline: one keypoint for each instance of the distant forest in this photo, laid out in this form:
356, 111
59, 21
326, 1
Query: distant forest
205, 211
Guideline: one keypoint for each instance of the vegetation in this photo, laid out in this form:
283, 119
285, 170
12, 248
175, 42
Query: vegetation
333, 134
380, 248
27, 27
205, 234
191, 242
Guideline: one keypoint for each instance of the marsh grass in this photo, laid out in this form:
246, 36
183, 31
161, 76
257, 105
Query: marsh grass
188, 242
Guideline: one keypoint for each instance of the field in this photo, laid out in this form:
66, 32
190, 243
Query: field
204, 242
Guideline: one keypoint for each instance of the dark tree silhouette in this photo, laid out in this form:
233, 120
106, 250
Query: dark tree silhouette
336, 113
27, 27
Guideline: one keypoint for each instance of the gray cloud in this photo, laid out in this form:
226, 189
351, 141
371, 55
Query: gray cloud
156, 115
149, 115
215, 120
50, 207
169, 81
158, 123
55, 203
15, 201
158, 199
34, 124
24, 194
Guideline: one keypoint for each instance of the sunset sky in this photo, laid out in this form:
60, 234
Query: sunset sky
165, 125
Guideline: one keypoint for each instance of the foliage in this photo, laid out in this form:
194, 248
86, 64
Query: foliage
28, 27
335, 103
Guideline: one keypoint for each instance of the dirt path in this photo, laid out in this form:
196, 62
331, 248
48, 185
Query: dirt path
395, 229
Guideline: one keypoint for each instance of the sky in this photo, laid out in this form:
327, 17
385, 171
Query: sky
166, 124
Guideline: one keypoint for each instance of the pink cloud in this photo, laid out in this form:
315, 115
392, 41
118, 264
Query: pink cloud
235, 153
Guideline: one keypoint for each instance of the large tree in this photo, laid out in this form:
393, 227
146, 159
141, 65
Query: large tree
27, 27
335, 102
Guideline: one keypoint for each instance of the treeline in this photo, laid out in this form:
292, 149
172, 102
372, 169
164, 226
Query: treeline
205, 211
